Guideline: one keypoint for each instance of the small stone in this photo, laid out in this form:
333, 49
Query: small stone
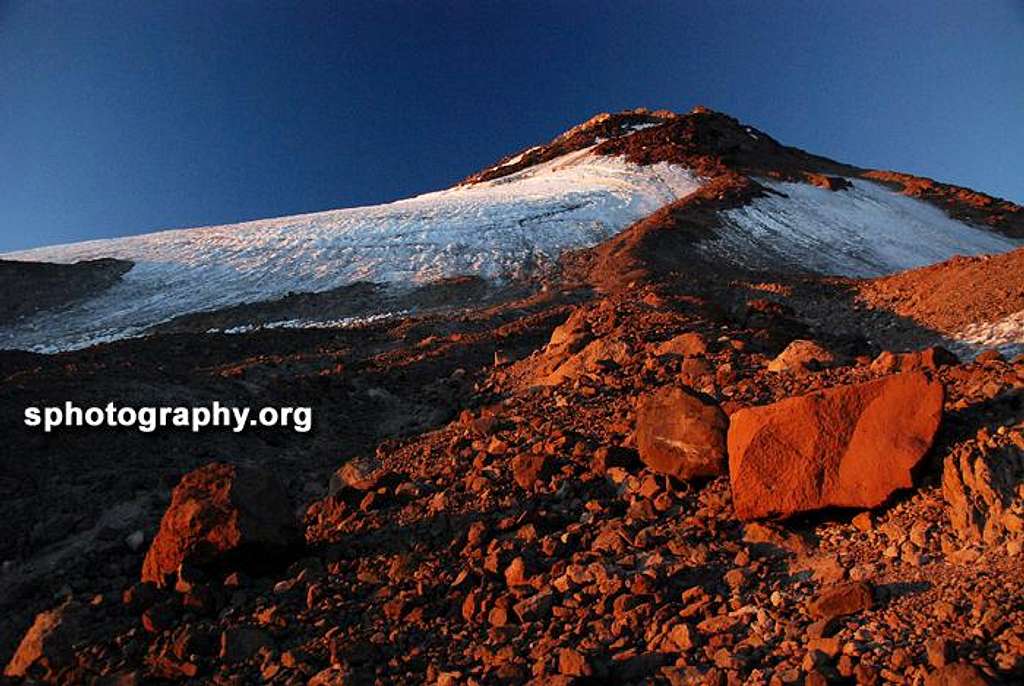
842, 600
863, 521
527, 470
573, 663
682, 637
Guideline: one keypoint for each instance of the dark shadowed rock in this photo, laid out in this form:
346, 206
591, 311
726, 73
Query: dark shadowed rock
222, 516
850, 446
681, 433
49, 640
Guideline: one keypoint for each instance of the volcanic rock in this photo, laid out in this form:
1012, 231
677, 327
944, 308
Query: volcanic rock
849, 446
222, 516
681, 433
956, 674
981, 482
528, 469
242, 642
49, 639
596, 353
841, 600
689, 344
358, 474
802, 356
929, 358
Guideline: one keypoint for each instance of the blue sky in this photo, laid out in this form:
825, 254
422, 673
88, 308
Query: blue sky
126, 117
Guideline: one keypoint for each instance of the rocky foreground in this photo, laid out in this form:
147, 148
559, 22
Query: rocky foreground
666, 490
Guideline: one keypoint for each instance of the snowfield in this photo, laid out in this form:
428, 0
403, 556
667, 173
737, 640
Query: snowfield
493, 229
863, 231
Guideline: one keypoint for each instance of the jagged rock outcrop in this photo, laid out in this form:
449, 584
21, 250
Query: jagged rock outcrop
983, 484
48, 642
222, 516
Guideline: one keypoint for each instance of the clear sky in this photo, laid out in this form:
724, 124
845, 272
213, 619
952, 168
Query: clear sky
125, 117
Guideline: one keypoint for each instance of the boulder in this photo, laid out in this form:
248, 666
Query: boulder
49, 640
681, 433
850, 446
841, 600
982, 485
929, 358
690, 344
571, 336
802, 356
574, 350
223, 517
597, 353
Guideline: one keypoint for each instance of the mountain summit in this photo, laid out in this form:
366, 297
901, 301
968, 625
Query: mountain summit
654, 191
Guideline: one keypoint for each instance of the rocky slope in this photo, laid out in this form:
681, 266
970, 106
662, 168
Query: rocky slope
644, 464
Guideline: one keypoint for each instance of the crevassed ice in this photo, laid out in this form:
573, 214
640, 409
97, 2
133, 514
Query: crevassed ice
863, 231
493, 229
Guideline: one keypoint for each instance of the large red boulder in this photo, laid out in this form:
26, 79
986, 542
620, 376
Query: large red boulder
681, 433
222, 516
850, 446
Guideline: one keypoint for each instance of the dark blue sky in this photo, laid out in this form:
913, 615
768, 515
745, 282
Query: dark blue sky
124, 117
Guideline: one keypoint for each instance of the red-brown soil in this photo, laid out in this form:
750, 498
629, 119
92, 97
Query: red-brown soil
949, 296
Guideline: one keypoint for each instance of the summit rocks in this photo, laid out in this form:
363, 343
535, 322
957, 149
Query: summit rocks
850, 446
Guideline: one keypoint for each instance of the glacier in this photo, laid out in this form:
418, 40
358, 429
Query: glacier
863, 231
496, 229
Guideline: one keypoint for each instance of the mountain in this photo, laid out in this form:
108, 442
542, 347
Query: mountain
617, 180
659, 401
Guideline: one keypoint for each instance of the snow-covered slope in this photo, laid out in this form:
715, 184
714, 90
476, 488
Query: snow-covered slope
866, 230
492, 229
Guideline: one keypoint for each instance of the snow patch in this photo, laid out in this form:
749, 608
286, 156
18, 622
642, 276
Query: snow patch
1007, 335
863, 231
343, 323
